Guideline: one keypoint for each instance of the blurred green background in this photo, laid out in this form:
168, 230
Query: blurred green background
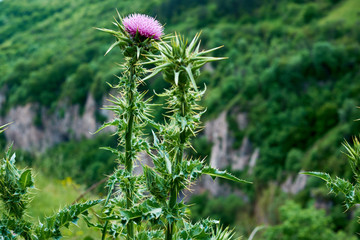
283, 102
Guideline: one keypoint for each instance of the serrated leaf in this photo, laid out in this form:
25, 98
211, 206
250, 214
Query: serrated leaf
213, 172
115, 122
324, 176
112, 150
130, 215
51, 228
339, 185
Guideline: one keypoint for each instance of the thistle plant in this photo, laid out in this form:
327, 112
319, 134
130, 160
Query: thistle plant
147, 206
134, 36
15, 195
351, 191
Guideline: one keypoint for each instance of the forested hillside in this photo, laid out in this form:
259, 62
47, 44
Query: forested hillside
292, 68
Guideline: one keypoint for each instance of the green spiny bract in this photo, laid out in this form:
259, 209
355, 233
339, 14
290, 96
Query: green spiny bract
180, 62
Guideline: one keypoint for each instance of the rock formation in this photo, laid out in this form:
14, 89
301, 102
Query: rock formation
38, 128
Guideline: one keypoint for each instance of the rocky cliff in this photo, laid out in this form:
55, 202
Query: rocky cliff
37, 128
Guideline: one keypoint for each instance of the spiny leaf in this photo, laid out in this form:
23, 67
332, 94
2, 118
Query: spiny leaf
224, 234
191, 76
51, 228
115, 122
112, 46
176, 73
213, 172
209, 51
152, 74
107, 31
112, 150
4, 127
324, 176
193, 43
339, 185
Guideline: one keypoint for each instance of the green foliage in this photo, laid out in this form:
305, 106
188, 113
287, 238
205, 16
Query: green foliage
302, 224
311, 12
222, 208
76, 88
293, 160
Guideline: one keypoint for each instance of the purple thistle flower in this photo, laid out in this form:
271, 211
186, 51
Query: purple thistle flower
146, 26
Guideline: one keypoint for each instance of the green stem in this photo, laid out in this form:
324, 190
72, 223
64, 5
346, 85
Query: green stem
128, 144
180, 154
128, 150
104, 230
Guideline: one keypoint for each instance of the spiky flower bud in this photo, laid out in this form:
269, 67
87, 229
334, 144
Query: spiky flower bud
180, 62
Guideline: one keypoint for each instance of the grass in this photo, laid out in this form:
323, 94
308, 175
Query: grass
51, 195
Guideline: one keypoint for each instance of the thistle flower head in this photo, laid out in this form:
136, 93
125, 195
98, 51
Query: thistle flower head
146, 26
135, 34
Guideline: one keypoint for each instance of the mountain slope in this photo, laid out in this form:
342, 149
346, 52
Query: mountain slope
292, 69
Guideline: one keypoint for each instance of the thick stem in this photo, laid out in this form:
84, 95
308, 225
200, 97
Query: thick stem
180, 154
128, 144
128, 149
